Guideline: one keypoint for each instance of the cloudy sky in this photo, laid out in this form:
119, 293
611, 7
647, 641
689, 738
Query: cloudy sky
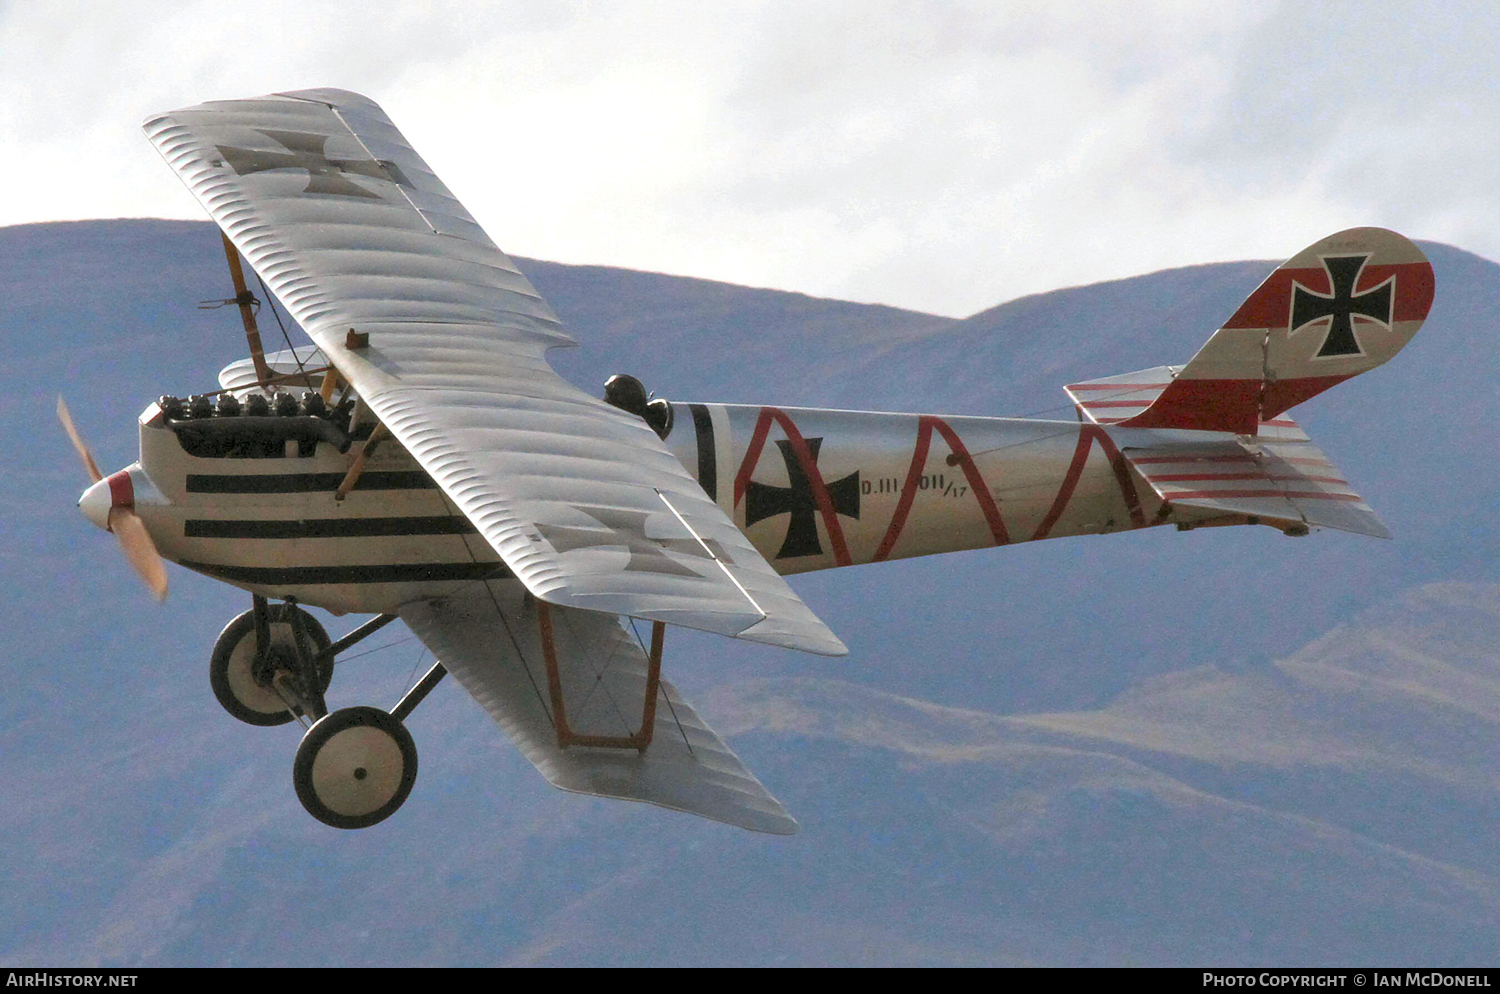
943, 156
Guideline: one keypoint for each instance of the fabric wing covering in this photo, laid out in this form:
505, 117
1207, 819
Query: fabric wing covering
1279, 481
488, 640
352, 231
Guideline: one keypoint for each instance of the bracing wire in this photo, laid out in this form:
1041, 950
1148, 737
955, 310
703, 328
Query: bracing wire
411, 680
505, 624
345, 659
663, 691
271, 303
599, 672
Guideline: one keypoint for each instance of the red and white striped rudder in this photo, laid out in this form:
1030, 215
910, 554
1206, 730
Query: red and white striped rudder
1340, 307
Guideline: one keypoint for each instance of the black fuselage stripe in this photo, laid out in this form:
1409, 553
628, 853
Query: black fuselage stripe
290, 483
708, 464
330, 527
297, 576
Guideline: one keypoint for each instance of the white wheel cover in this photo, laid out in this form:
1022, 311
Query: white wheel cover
336, 771
242, 681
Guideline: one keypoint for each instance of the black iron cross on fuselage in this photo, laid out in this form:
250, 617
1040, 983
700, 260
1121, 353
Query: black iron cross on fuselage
1342, 305
763, 501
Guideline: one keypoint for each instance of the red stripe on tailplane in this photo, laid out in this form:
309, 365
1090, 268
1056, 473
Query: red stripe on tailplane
1208, 477
1204, 405
1232, 494
1189, 457
1118, 387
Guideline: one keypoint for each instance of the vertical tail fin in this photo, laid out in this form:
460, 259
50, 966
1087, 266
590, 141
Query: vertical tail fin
1340, 307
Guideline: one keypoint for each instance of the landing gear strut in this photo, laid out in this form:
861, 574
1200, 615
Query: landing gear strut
260, 668
356, 765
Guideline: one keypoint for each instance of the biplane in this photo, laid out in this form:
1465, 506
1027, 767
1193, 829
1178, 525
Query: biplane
424, 463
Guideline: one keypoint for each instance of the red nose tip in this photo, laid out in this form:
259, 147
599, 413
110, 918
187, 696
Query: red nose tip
121, 489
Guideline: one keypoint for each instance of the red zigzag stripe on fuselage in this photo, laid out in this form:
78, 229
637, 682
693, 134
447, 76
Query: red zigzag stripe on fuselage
926, 423
1088, 435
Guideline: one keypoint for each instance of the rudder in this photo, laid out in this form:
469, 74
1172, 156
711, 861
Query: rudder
1340, 307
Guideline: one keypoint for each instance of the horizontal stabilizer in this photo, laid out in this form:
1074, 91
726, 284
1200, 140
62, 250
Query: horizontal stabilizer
1283, 483
488, 639
1114, 399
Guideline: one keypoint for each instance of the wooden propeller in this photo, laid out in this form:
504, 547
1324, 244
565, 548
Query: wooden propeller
123, 522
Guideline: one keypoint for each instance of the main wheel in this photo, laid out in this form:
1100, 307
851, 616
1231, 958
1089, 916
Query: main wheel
354, 767
241, 679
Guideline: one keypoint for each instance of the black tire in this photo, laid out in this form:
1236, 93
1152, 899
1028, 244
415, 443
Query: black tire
355, 767
229, 668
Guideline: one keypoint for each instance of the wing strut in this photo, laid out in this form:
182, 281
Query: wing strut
357, 467
245, 299
565, 735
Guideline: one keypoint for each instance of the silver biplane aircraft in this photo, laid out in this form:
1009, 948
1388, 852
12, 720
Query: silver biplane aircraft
427, 464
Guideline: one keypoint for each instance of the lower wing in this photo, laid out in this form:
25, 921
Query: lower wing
489, 639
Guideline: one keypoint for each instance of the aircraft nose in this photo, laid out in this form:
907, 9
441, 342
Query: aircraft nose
96, 502
115, 490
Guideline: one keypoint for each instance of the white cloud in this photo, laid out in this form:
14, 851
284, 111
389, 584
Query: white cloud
943, 156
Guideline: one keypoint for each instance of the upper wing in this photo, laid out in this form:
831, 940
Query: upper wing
353, 232
487, 637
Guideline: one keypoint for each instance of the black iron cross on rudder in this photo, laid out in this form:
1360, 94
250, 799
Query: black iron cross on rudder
1342, 304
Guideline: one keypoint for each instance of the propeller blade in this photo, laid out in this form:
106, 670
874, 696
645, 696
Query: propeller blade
83, 450
139, 549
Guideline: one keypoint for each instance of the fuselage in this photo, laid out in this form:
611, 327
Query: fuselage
811, 489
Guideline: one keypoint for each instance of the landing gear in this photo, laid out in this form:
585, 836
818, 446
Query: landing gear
273, 686
355, 767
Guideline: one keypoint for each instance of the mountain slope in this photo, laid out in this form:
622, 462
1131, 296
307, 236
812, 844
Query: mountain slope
1157, 748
